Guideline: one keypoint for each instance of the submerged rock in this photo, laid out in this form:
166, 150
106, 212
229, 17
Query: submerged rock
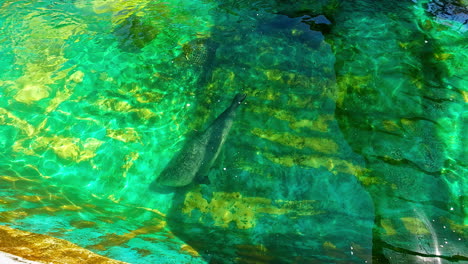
451, 13
135, 34
197, 52
198, 59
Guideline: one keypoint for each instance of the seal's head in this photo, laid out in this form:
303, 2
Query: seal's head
238, 99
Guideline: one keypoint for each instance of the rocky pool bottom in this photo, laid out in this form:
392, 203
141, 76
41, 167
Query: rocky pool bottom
349, 148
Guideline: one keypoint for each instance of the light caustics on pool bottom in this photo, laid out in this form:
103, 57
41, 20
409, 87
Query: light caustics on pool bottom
348, 148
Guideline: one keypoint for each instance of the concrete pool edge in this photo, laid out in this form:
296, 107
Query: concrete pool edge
19, 246
8, 258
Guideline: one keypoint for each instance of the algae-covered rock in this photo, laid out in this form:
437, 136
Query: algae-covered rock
391, 115
285, 188
233, 227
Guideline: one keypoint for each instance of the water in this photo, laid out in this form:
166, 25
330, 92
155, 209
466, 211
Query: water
350, 146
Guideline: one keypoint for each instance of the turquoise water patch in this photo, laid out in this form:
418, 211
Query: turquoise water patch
349, 148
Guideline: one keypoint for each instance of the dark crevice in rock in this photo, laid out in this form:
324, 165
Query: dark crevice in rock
454, 258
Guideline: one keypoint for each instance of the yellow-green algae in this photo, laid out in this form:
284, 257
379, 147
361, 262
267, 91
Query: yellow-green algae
97, 97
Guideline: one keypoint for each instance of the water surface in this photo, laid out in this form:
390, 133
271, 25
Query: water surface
350, 146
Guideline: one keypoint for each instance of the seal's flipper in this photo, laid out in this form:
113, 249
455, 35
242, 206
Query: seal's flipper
156, 187
162, 189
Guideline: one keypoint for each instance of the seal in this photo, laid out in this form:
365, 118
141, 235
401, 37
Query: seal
198, 153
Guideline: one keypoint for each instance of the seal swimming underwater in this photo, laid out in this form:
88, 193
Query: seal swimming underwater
199, 153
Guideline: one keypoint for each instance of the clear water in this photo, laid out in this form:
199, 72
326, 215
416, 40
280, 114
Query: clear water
350, 146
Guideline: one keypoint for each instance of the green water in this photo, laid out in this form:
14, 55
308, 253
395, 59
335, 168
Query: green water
350, 146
